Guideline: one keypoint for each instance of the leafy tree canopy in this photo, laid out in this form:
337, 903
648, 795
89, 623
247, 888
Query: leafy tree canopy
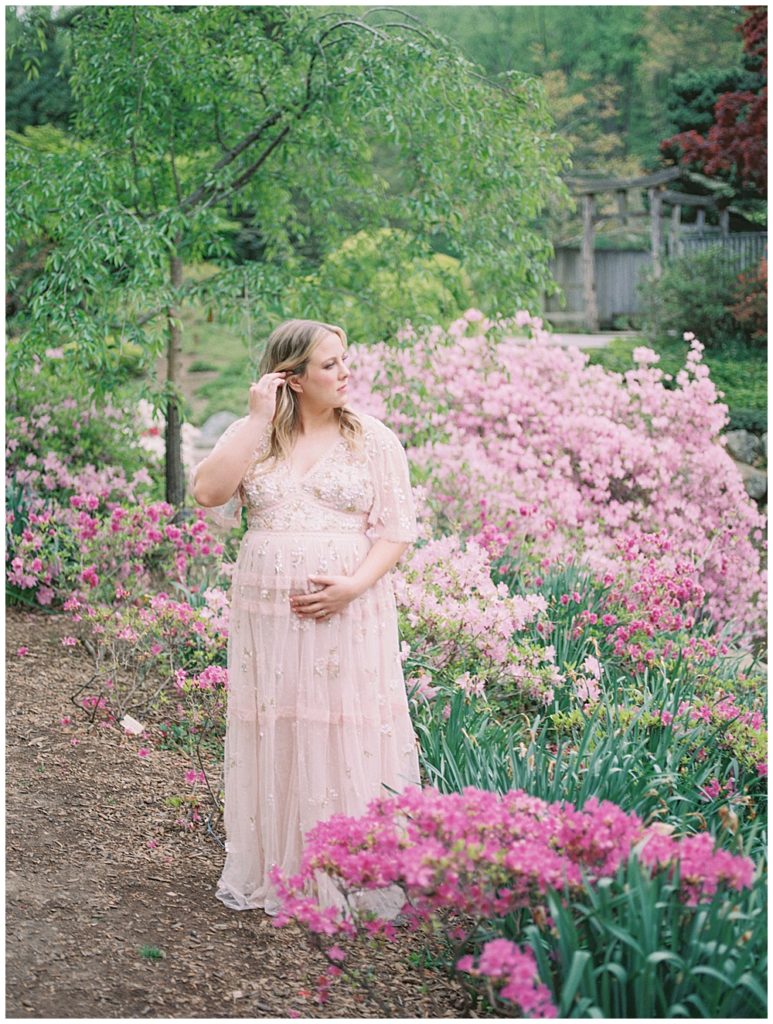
37, 89
731, 143
189, 116
193, 115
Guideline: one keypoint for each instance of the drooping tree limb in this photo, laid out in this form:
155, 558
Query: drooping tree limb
228, 158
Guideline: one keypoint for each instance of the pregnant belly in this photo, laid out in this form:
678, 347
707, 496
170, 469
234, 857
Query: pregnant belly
272, 566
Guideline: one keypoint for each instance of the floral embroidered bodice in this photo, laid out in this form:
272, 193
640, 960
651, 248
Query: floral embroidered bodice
344, 491
334, 495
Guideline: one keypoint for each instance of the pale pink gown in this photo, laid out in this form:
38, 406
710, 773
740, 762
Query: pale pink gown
317, 719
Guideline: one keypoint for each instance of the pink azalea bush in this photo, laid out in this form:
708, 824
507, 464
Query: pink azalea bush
108, 550
454, 614
649, 613
56, 448
79, 480
481, 854
739, 730
569, 456
160, 652
465, 858
702, 869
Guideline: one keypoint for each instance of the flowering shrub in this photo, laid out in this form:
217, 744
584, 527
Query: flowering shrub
107, 550
58, 444
472, 853
567, 456
454, 615
751, 306
738, 730
156, 651
71, 463
473, 857
702, 869
650, 608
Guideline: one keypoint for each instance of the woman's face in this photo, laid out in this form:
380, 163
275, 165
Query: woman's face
324, 383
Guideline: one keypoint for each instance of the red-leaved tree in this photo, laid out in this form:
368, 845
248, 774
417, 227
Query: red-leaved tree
736, 144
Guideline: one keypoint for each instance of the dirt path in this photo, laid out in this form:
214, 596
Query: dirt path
85, 893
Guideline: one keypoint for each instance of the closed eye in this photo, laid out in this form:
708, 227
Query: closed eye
327, 366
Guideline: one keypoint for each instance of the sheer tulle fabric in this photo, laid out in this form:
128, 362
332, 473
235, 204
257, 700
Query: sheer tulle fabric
317, 720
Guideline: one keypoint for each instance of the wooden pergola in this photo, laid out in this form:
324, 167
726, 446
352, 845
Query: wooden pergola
659, 196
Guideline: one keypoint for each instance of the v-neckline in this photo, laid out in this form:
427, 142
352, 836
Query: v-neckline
318, 462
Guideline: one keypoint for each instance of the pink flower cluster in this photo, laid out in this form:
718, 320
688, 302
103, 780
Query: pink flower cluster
480, 854
453, 610
516, 969
125, 542
653, 603
745, 736
157, 638
568, 456
112, 550
702, 869
33, 461
33, 561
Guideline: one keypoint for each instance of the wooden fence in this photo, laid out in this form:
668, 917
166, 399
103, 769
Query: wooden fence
618, 272
741, 248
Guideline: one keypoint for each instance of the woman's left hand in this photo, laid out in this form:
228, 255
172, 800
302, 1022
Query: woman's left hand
336, 594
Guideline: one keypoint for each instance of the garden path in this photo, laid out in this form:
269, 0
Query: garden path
85, 892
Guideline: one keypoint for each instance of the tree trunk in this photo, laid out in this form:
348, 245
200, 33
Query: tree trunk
175, 476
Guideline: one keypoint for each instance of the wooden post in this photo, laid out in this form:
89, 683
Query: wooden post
588, 265
622, 206
674, 241
656, 204
700, 221
724, 222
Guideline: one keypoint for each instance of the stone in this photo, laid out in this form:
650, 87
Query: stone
764, 443
214, 427
742, 445
754, 480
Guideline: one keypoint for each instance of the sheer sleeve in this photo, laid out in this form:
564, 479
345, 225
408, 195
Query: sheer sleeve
393, 514
229, 514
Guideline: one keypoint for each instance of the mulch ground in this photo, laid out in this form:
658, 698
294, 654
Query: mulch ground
85, 893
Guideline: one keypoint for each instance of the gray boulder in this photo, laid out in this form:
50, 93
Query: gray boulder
742, 445
214, 427
755, 481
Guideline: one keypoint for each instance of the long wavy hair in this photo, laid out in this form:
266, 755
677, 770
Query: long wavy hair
289, 347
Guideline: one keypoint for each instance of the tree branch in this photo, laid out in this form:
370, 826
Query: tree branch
232, 154
175, 178
243, 178
210, 194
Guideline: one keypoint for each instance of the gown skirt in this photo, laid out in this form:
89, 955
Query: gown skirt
317, 720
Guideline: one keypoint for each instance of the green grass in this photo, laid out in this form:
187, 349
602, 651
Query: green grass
202, 366
230, 350
152, 953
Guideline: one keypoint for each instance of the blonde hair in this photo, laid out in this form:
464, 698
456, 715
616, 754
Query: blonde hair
289, 347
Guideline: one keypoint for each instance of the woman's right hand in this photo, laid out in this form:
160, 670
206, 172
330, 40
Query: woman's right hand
263, 393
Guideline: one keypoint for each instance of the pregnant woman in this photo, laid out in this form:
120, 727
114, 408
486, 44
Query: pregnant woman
317, 719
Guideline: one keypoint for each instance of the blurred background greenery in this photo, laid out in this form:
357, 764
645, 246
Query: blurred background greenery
618, 81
